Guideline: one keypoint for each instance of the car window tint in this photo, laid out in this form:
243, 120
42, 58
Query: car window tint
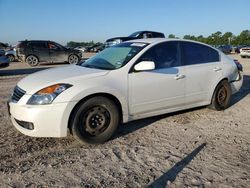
164, 55
40, 45
194, 53
52, 46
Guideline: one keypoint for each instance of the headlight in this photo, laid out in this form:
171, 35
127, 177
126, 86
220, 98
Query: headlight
48, 94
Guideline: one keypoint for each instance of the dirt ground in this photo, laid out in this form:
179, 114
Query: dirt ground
194, 148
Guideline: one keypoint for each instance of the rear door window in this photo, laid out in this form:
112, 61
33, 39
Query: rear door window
193, 53
39, 45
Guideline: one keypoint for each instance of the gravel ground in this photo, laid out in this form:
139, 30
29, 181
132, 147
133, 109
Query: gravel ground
194, 148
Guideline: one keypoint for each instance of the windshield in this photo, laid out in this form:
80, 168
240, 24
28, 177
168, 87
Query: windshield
135, 34
114, 57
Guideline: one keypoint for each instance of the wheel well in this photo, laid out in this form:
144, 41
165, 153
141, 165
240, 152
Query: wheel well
10, 55
73, 54
216, 87
107, 95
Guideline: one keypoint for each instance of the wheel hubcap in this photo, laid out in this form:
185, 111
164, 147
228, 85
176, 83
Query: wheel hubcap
73, 59
96, 120
222, 95
32, 60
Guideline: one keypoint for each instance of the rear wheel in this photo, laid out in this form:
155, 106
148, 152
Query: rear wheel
243, 56
221, 96
95, 121
32, 60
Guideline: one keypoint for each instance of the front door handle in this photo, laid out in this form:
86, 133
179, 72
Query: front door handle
216, 69
179, 76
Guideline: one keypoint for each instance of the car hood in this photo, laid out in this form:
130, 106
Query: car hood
68, 74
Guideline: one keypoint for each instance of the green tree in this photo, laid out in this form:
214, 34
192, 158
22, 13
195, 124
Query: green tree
244, 38
171, 36
216, 38
227, 38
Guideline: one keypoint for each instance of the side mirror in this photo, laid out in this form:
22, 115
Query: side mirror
144, 66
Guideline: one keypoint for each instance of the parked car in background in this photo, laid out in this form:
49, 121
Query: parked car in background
136, 35
81, 48
129, 81
2, 52
245, 52
226, 49
35, 51
4, 61
3, 46
95, 48
11, 54
237, 49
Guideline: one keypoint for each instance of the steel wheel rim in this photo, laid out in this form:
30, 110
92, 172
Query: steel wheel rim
222, 95
95, 121
73, 59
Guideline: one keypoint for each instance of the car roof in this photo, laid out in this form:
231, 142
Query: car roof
36, 41
159, 40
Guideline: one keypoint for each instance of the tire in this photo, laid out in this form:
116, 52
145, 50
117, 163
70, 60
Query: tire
11, 57
243, 56
221, 96
95, 121
32, 60
73, 59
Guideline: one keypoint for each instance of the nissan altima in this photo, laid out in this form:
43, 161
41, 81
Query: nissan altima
128, 81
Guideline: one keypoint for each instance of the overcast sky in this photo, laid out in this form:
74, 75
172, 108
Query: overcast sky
86, 20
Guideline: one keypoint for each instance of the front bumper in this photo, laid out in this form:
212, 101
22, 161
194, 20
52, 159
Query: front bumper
48, 120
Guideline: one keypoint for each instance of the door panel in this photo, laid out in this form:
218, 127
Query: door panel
156, 90
161, 88
40, 49
203, 70
199, 80
57, 53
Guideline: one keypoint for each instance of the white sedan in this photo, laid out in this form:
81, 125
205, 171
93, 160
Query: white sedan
129, 81
245, 52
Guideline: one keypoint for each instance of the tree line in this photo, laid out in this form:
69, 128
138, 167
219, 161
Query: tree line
219, 38
73, 44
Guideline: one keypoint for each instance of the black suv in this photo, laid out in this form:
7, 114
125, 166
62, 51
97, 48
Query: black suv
136, 35
35, 51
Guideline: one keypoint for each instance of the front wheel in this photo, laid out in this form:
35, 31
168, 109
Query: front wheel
73, 59
95, 121
32, 60
11, 57
221, 96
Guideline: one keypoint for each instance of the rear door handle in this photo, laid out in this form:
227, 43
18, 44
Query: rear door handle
216, 69
178, 77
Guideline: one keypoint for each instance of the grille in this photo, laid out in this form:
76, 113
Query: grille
17, 94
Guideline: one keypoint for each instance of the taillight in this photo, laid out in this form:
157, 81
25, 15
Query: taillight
238, 64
